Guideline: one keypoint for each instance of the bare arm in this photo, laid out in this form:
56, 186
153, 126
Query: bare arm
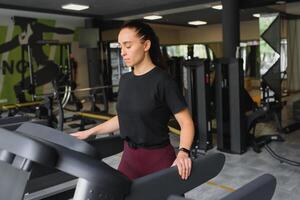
109, 126
183, 162
187, 129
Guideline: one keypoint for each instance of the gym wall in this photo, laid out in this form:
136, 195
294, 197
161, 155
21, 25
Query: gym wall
10, 58
169, 34
208, 34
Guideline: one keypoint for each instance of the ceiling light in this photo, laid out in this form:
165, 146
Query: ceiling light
153, 17
77, 7
197, 23
256, 15
280, 2
217, 7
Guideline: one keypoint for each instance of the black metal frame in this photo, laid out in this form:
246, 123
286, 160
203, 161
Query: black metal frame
231, 132
198, 95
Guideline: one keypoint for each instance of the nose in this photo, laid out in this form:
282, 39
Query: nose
123, 53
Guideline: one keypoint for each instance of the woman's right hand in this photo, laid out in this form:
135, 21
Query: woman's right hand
82, 135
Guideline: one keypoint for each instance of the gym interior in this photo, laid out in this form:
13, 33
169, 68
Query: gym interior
235, 61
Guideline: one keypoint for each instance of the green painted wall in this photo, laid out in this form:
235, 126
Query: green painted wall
8, 80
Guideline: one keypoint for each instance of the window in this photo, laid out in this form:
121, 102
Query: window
188, 51
178, 51
200, 51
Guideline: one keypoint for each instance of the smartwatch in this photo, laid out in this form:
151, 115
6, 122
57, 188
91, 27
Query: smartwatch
184, 150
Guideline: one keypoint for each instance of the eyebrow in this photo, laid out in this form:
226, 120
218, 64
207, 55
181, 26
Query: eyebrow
125, 43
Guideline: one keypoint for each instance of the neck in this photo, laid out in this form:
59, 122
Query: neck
142, 68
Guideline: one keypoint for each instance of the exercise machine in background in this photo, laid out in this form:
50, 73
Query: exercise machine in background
237, 114
230, 113
63, 77
197, 91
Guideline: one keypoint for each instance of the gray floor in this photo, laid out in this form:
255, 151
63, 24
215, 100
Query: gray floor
240, 169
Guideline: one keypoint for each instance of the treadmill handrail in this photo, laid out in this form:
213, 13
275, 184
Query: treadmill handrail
27, 148
83, 166
78, 164
107, 146
262, 188
55, 136
161, 184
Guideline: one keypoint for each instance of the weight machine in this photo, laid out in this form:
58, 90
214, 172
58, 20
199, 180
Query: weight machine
63, 78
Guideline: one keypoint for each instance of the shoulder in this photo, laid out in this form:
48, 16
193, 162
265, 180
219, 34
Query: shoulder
165, 80
163, 75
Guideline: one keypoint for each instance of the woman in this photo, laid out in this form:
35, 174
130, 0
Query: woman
147, 98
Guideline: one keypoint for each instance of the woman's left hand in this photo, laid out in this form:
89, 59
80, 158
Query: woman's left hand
184, 165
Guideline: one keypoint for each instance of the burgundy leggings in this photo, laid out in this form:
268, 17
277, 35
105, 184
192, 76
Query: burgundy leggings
139, 162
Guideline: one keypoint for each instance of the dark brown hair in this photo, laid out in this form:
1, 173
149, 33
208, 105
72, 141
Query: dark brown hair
147, 33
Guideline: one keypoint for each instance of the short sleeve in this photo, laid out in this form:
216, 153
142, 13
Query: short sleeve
173, 96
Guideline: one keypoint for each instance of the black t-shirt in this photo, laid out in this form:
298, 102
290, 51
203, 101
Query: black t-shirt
145, 105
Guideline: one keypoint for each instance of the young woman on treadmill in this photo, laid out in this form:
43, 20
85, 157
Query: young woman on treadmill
147, 98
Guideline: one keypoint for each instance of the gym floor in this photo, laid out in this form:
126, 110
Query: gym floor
241, 169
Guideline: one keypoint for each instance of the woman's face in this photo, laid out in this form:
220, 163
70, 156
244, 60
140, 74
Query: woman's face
133, 48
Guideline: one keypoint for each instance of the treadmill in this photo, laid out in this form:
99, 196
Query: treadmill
96, 180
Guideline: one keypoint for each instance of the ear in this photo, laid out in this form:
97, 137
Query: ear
147, 45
